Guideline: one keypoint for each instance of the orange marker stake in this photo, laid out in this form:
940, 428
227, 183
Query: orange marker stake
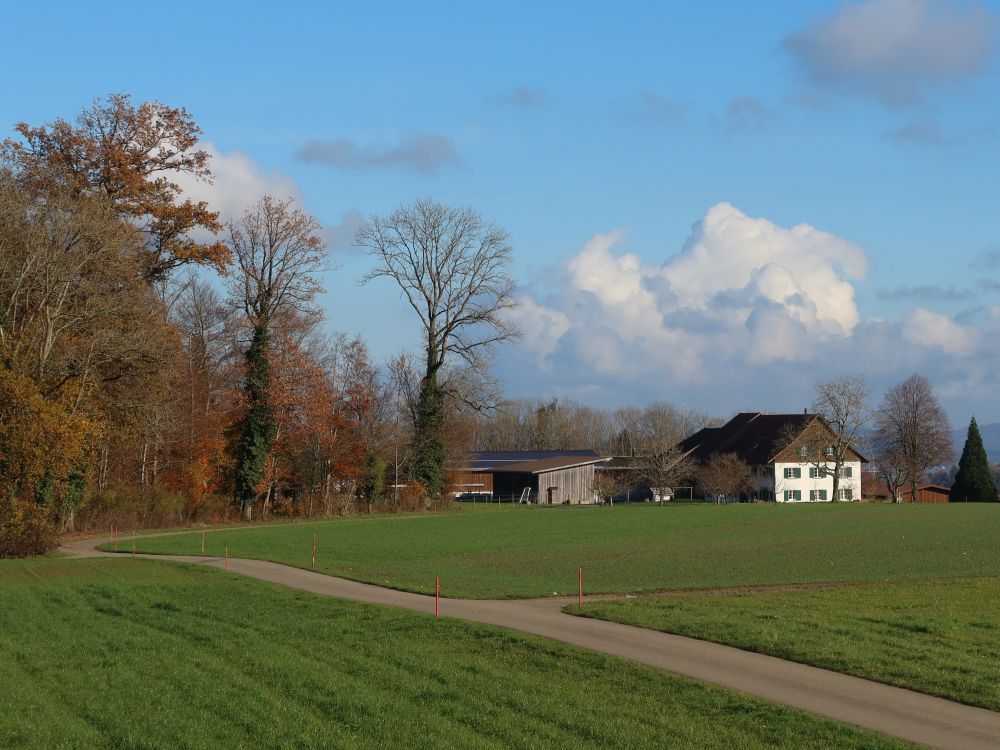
581, 589
314, 552
203, 542
437, 596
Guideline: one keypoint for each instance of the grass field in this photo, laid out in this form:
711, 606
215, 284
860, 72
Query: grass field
526, 552
938, 637
140, 654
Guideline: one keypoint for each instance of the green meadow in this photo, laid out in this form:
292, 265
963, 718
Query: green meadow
938, 637
121, 653
533, 552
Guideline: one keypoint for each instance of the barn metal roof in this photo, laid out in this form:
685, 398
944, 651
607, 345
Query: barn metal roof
546, 464
484, 460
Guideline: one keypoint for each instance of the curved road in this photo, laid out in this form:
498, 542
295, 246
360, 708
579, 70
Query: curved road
913, 716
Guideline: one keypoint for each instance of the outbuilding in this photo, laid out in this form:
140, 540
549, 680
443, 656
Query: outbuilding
544, 477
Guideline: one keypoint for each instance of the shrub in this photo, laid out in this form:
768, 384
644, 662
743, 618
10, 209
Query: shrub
26, 530
412, 496
152, 507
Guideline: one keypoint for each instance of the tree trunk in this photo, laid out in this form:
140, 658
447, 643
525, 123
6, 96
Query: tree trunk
142, 464
326, 490
102, 474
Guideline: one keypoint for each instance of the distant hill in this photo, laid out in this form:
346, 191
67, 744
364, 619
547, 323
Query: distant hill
991, 440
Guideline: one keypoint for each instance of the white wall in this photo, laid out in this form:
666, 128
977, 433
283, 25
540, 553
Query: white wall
805, 484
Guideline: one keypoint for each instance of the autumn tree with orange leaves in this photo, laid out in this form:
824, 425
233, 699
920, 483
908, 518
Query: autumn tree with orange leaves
129, 155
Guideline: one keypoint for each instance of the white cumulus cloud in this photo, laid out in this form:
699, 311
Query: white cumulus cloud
928, 328
740, 290
748, 314
237, 183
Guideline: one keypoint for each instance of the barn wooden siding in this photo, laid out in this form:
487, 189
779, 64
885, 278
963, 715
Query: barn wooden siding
468, 481
925, 495
574, 485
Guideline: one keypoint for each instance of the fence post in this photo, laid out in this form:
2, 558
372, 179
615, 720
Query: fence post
227, 559
203, 542
437, 597
133, 542
580, 600
314, 552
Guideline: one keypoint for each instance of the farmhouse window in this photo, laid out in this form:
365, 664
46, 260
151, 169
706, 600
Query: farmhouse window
793, 473
791, 495
817, 495
804, 450
846, 471
814, 473
847, 494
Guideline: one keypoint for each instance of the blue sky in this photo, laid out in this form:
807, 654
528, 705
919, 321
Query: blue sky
873, 122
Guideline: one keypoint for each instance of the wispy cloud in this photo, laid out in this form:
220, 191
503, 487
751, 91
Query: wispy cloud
938, 293
990, 259
895, 50
525, 97
659, 108
339, 237
924, 132
425, 153
925, 292
747, 114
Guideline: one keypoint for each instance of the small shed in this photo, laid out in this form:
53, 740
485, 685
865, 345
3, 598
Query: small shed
926, 493
873, 488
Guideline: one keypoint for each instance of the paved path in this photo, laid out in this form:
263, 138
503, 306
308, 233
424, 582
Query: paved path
913, 716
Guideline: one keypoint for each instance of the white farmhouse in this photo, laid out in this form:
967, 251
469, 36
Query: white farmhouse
792, 457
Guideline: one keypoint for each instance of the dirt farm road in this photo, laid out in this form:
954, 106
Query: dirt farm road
919, 718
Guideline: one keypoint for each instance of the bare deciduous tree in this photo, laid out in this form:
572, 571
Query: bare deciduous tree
724, 474
912, 433
277, 252
665, 467
452, 267
843, 405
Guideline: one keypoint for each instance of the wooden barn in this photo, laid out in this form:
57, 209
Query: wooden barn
544, 477
874, 488
926, 493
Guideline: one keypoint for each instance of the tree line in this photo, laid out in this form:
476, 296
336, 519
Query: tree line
160, 363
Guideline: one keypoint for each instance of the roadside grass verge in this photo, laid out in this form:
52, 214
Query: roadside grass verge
533, 552
118, 653
936, 637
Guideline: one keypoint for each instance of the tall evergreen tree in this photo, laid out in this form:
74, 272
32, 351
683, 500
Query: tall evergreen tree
974, 482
